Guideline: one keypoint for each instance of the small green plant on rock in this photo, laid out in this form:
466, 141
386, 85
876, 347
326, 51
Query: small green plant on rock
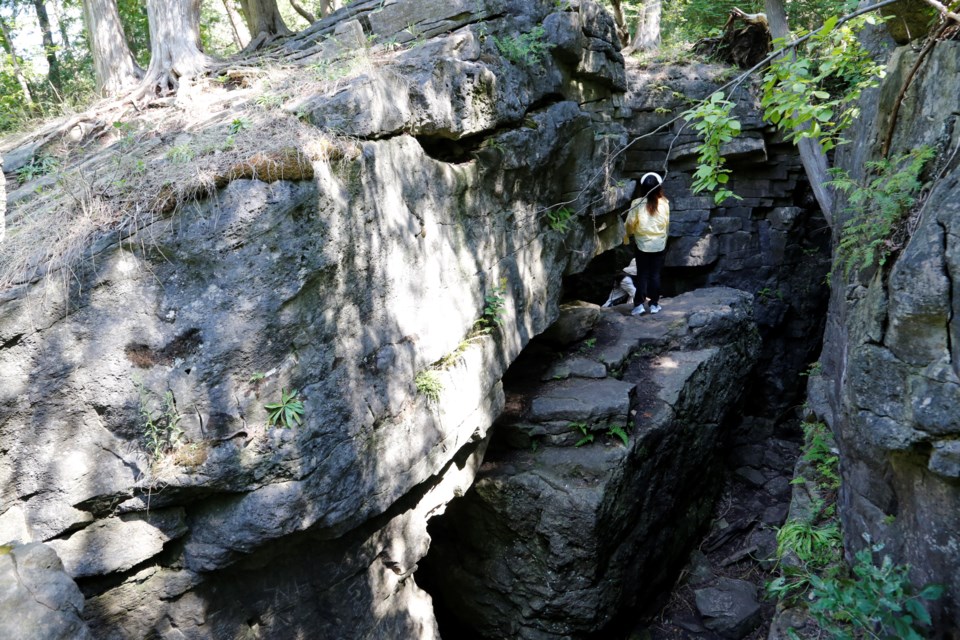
287, 412
584, 430
879, 208
38, 166
429, 384
874, 602
559, 220
619, 432
160, 421
494, 304
527, 49
180, 154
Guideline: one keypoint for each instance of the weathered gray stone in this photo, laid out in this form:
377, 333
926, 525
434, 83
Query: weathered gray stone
38, 601
576, 367
581, 400
307, 285
118, 544
575, 322
945, 460
725, 224
889, 353
593, 517
730, 608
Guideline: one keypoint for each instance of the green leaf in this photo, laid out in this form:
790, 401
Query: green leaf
932, 592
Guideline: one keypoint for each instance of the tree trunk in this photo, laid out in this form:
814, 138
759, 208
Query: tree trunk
622, 31
49, 48
113, 63
17, 69
174, 44
233, 24
264, 21
328, 6
811, 153
647, 36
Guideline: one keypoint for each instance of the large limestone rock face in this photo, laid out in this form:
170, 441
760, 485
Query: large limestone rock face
567, 524
891, 384
344, 287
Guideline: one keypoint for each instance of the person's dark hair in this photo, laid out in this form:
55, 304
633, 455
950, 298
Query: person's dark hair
651, 188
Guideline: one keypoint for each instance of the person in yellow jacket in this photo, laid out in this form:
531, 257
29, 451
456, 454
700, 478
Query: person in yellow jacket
648, 222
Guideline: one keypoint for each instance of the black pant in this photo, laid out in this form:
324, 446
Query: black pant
647, 280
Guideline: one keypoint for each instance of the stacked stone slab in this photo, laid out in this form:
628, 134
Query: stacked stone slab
772, 241
567, 525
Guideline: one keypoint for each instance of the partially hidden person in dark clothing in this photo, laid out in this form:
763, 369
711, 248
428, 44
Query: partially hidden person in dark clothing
648, 222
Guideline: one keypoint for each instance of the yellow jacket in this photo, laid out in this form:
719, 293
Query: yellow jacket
648, 231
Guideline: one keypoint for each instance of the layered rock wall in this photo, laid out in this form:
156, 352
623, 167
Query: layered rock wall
344, 287
891, 368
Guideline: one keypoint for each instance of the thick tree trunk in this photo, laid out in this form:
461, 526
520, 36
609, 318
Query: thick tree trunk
264, 21
811, 153
17, 69
49, 48
647, 36
174, 44
113, 63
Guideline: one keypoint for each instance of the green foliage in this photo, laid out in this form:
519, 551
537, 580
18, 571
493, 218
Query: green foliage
559, 219
429, 384
619, 432
38, 166
814, 369
525, 49
874, 602
712, 120
159, 421
584, 430
180, 154
239, 124
816, 93
690, 20
878, 208
821, 453
494, 304
287, 412
765, 294
814, 546
269, 100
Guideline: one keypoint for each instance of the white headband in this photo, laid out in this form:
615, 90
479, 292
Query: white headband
655, 175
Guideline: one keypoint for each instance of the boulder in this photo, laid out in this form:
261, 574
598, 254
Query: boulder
730, 608
38, 600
